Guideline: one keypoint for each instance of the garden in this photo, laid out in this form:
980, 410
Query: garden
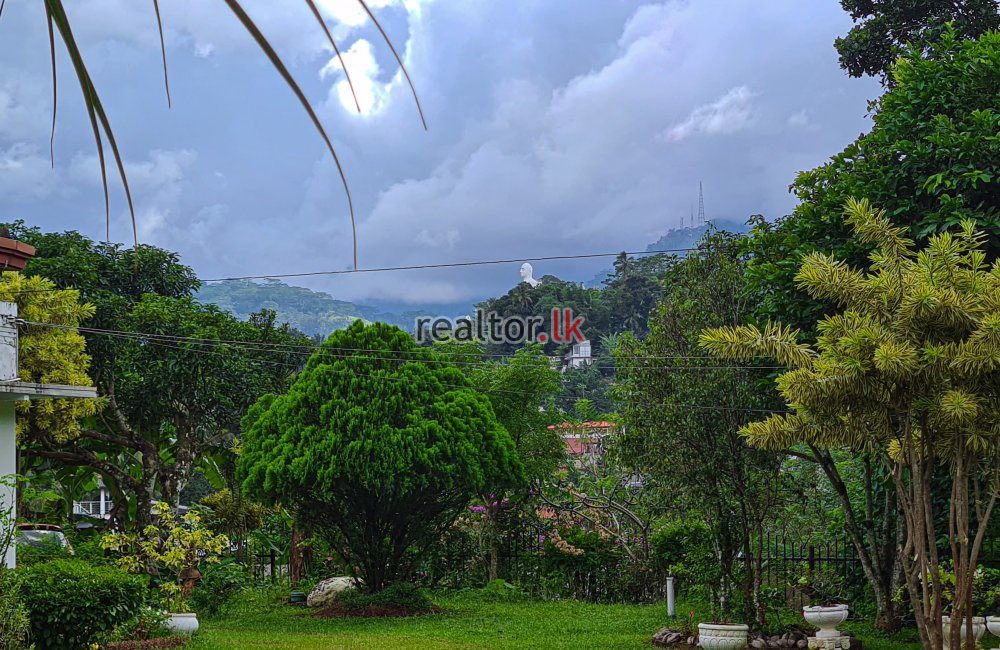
787, 438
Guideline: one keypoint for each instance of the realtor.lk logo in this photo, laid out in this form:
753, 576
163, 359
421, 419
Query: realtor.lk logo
493, 328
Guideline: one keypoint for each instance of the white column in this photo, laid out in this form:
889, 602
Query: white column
8, 435
8, 466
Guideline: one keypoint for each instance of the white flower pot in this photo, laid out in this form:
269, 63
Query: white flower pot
715, 636
978, 629
993, 625
183, 623
826, 619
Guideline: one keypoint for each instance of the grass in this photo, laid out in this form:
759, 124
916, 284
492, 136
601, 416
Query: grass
255, 620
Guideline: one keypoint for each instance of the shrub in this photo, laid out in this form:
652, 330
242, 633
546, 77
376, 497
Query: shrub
219, 583
384, 450
46, 549
683, 549
71, 604
401, 595
498, 591
14, 623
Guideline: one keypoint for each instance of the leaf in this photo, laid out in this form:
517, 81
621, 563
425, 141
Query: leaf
251, 27
163, 49
347, 75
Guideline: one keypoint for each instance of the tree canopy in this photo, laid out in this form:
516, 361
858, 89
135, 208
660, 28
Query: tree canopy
883, 28
907, 365
379, 444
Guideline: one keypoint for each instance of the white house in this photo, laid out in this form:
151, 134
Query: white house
579, 355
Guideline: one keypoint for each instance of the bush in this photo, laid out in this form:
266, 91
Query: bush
401, 595
14, 623
71, 604
46, 549
683, 549
219, 583
498, 591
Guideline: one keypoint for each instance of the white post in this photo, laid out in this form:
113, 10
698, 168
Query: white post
671, 607
8, 460
8, 434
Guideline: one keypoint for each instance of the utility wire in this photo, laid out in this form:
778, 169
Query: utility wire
398, 355
177, 345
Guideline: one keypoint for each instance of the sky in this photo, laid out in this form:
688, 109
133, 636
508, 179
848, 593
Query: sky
555, 127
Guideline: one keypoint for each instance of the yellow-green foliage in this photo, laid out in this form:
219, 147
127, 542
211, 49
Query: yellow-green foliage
173, 546
916, 347
50, 355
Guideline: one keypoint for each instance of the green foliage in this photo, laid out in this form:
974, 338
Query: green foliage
50, 355
683, 413
14, 622
886, 27
72, 604
497, 591
905, 367
233, 515
219, 583
683, 549
400, 595
931, 160
380, 450
172, 547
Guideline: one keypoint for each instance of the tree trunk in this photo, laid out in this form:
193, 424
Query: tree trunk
296, 558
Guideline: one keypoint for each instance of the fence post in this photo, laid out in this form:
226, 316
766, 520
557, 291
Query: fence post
273, 572
671, 608
812, 558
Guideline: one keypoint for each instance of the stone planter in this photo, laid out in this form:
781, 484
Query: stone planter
993, 625
978, 629
718, 636
183, 623
826, 619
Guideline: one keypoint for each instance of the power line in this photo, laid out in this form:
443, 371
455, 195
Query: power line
398, 354
448, 265
176, 345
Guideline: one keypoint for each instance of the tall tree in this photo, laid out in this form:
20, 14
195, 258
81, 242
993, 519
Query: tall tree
931, 160
519, 388
682, 416
884, 28
908, 365
174, 392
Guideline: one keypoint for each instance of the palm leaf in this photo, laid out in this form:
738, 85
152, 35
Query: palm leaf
251, 27
55, 96
95, 110
163, 49
399, 60
322, 23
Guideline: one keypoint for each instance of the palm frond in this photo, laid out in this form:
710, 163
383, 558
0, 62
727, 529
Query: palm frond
329, 36
163, 49
95, 110
399, 60
276, 61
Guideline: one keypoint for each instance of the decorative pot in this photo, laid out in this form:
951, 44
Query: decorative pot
183, 623
826, 619
993, 625
718, 636
297, 598
978, 629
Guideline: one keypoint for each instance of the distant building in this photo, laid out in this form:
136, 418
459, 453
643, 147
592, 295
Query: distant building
96, 504
584, 440
579, 355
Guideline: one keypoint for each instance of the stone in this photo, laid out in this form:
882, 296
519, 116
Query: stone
802, 643
758, 643
324, 593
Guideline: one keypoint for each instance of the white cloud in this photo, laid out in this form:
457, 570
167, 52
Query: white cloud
730, 113
26, 174
799, 119
364, 71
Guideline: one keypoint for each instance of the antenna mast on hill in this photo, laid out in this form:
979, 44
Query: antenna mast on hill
701, 204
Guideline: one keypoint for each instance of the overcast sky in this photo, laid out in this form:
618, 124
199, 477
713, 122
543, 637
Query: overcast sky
555, 127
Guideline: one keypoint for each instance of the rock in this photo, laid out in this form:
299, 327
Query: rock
758, 643
801, 643
692, 640
663, 636
326, 591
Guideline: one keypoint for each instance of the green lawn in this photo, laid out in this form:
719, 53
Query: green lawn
256, 622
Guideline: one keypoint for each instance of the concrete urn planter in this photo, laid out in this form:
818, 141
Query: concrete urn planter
993, 625
826, 619
183, 623
978, 629
718, 636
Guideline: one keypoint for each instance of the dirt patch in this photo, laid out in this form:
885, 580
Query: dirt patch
337, 610
148, 644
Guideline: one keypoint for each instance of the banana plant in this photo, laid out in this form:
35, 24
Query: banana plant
59, 23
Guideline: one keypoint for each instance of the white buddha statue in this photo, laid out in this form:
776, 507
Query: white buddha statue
526, 271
